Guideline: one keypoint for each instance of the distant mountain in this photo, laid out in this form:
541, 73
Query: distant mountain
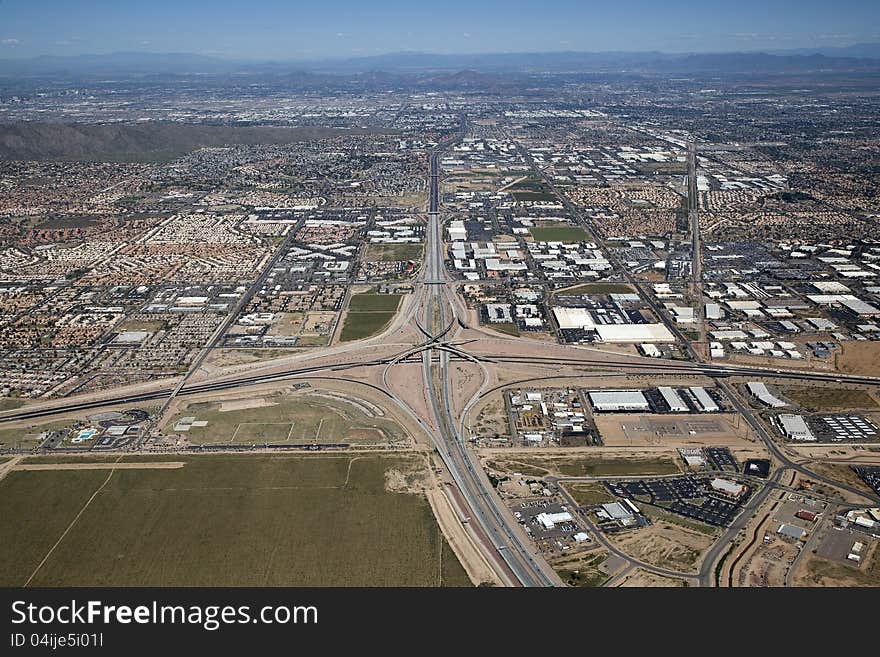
865, 57
138, 142
858, 50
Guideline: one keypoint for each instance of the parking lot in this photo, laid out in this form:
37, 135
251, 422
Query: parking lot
722, 459
688, 496
555, 538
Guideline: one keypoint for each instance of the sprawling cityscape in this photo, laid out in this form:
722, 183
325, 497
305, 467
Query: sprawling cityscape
444, 327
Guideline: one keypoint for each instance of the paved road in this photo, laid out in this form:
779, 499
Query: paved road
487, 509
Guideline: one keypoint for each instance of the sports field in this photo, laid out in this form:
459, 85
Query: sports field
285, 419
223, 520
559, 233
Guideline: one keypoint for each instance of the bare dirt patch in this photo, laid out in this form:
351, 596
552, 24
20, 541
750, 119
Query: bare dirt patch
665, 545
243, 404
859, 358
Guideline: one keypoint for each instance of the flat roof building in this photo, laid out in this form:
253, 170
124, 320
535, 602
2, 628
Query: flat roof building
706, 403
761, 393
794, 427
675, 403
619, 400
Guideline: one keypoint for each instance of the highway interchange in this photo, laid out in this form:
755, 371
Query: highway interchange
442, 330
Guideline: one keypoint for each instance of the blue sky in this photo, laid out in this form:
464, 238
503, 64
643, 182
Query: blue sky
291, 29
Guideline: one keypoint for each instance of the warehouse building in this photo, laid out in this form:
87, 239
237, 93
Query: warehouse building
704, 401
794, 427
762, 393
619, 400
675, 403
580, 318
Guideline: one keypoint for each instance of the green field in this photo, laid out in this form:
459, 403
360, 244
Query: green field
298, 419
223, 520
531, 189
362, 325
504, 327
392, 252
533, 196
589, 494
8, 403
559, 233
374, 302
368, 314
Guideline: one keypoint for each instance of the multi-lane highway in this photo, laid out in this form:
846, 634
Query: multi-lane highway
486, 509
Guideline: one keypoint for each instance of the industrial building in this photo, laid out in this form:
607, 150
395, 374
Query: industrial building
580, 318
760, 392
675, 403
704, 401
794, 427
550, 520
619, 400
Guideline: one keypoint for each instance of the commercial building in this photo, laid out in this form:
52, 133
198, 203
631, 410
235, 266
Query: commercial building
550, 520
727, 487
791, 531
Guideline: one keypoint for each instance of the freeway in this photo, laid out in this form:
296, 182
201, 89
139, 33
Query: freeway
486, 508
693, 200
587, 361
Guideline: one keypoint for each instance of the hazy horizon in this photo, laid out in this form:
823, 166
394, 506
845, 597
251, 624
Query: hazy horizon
269, 29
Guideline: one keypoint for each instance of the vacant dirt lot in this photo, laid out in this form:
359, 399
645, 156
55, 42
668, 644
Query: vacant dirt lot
860, 358
665, 545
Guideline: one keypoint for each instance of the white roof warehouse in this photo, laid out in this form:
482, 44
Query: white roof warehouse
580, 318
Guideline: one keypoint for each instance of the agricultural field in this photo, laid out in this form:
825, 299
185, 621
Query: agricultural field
296, 419
559, 233
374, 302
225, 520
368, 314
